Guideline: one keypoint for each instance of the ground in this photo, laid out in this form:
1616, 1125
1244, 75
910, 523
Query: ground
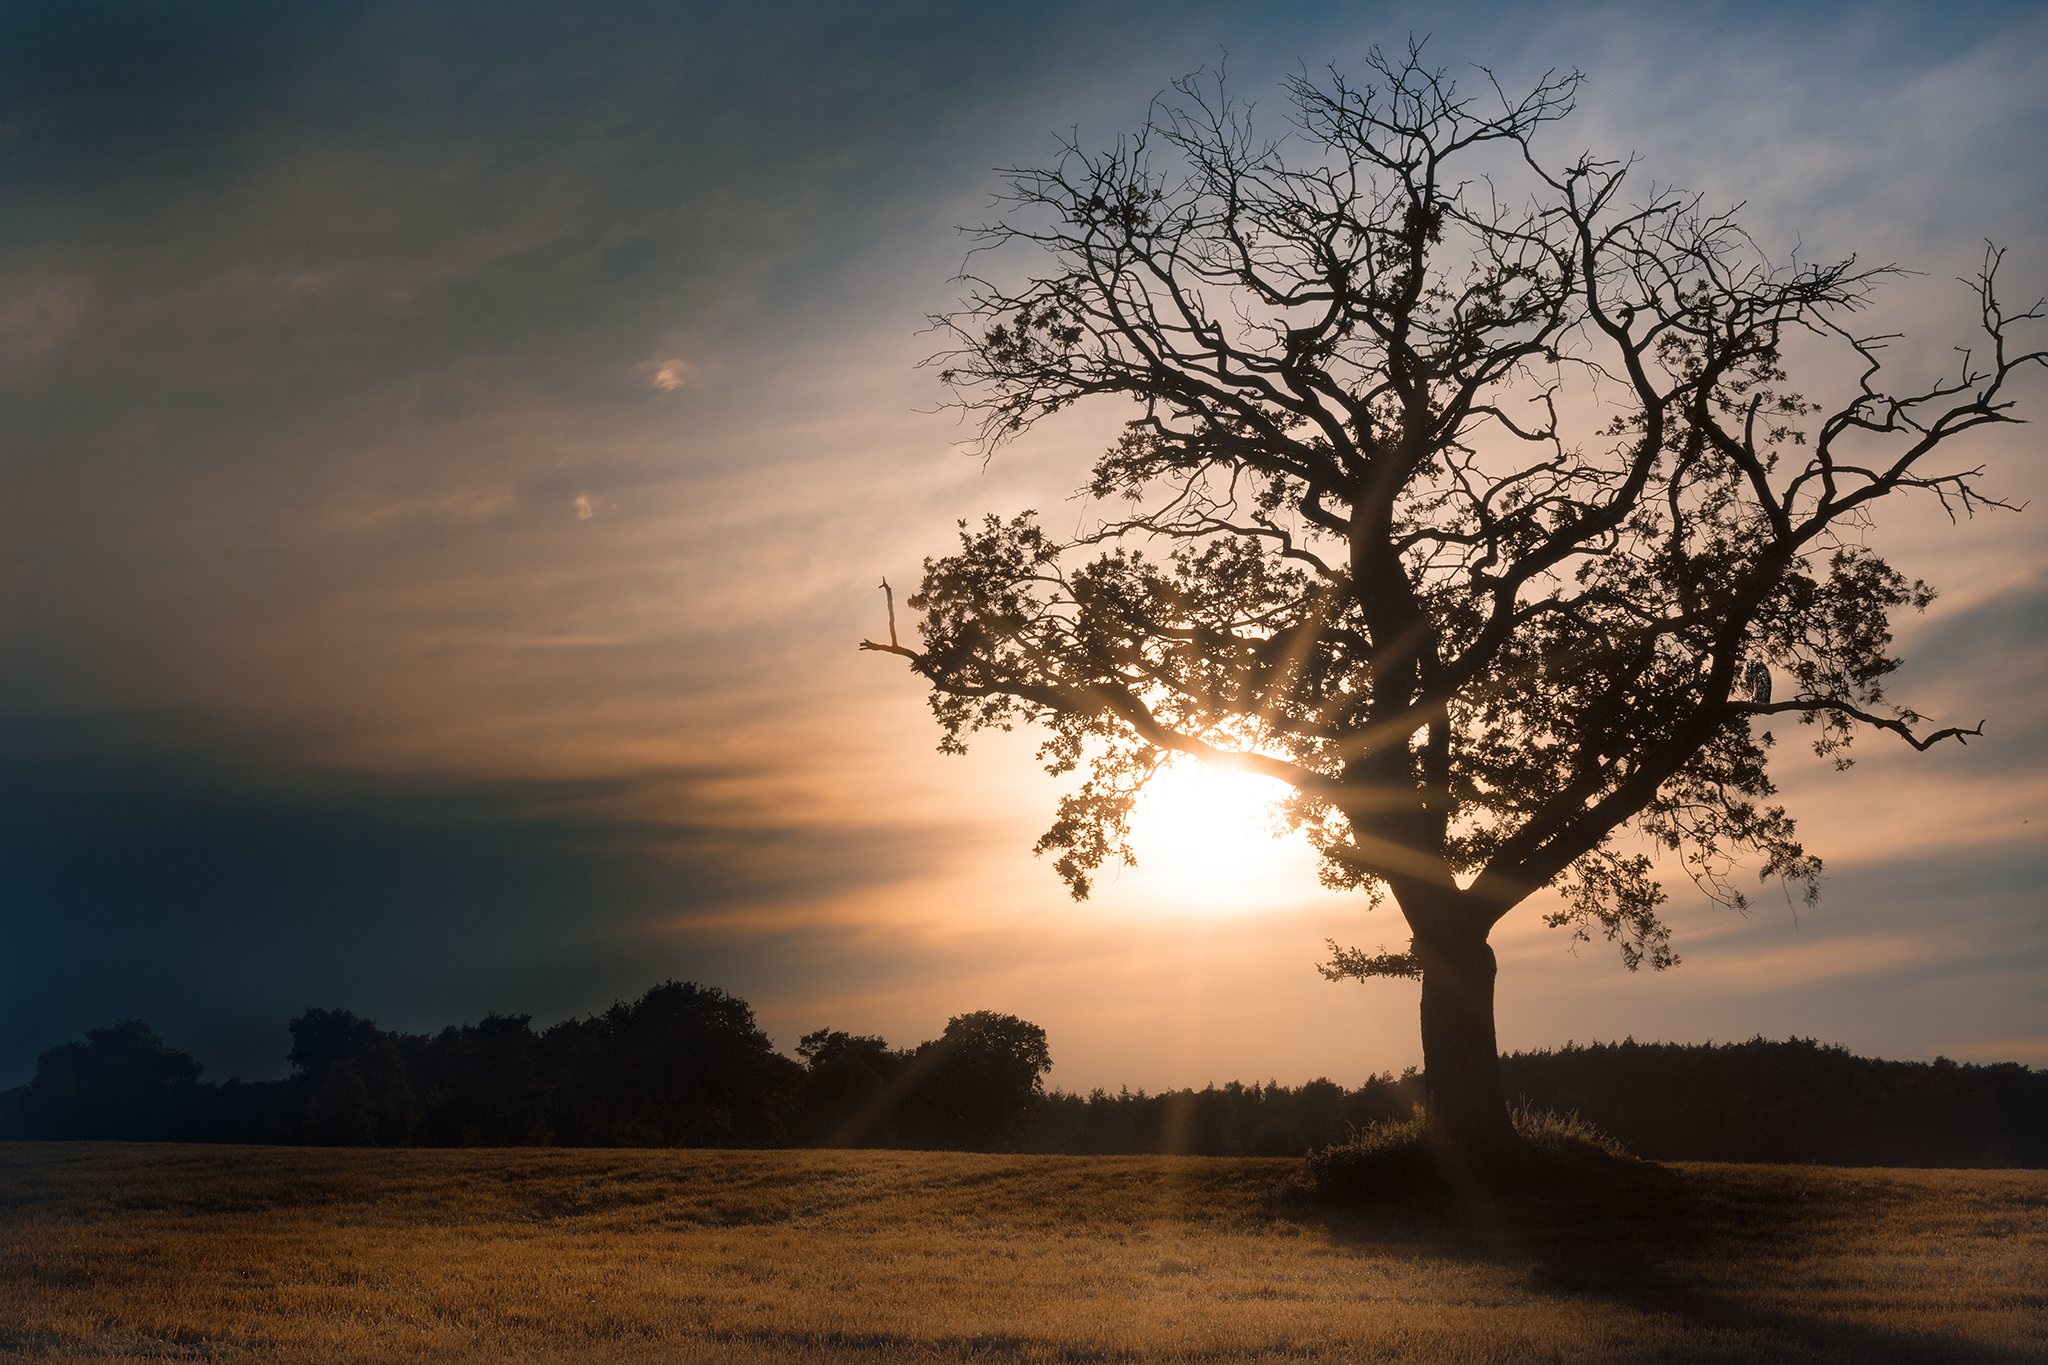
113, 1251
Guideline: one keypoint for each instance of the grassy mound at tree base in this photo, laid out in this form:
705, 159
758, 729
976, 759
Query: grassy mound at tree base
1408, 1159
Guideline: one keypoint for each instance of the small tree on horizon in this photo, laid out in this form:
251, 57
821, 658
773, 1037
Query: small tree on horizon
977, 1085
1467, 493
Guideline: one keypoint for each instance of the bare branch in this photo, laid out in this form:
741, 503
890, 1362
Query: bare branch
893, 647
1811, 705
1475, 518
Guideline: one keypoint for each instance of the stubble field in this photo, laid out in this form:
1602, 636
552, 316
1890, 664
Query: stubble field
113, 1252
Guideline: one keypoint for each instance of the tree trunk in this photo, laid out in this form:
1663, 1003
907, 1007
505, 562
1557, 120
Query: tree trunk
1468, 1110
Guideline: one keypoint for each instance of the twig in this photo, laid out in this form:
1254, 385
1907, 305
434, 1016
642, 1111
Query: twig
892, 647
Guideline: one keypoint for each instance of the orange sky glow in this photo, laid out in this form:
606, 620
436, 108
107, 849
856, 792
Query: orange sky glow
446, 476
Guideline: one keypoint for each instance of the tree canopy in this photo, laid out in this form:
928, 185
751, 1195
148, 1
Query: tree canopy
1466, 490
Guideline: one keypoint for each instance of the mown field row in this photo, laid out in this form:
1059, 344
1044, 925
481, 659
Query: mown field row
112, 1251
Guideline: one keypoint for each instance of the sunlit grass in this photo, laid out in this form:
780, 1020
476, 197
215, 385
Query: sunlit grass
113, 1252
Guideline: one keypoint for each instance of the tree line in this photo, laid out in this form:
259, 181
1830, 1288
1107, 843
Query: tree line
1760, 1101
1795, 1101
686, 1065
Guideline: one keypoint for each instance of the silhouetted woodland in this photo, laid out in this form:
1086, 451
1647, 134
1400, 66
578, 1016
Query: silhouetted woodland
1794, 1101
1759, 1101
683, 1066
686, 1065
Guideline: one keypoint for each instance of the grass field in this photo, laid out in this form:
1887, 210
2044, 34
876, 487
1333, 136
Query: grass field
113, 1252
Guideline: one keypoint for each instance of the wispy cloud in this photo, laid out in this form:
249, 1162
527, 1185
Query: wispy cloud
668, 375
481, 434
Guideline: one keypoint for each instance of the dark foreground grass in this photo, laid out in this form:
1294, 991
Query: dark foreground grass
120, 1252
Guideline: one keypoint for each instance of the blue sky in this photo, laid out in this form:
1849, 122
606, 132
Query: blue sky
447, 453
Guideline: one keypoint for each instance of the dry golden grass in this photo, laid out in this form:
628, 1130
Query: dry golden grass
112, 1252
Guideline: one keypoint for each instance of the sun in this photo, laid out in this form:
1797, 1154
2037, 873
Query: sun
1202, 841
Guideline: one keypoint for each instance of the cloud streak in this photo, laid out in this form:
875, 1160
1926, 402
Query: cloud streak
449, 452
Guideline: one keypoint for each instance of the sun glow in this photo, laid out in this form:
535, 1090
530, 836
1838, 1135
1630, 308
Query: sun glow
1203, 842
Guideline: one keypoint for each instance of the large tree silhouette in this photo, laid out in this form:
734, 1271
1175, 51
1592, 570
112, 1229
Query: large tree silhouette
1466, 492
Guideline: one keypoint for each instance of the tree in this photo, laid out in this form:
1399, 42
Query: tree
847, 1078
977, 1085
1486, 515
123, 1082
320, 1038
324, 1040
683, 1066
339, 1114
479, 1085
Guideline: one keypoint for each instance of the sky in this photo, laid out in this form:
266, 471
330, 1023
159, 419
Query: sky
448, 454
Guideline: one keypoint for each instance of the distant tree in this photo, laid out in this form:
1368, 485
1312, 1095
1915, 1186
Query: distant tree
1491, 519
122, 1082
244, 1111
17, 1115
847, 1097
322, 1040
1319, 1109
1279, 1137
827, 1046
480, 1085
684, 1065
1188, 1123
977, 1085
339, 1114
